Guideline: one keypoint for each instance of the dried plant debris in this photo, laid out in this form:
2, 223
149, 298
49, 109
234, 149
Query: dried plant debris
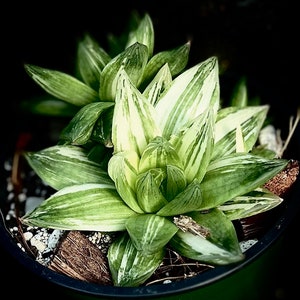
79, 258
282, 182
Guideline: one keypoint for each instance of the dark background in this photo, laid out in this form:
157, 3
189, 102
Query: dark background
256, 39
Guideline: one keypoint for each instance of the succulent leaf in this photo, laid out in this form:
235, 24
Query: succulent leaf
94, 207
64, 165
62, 85
123, 169
133, 60
80, 128
149, 194
219, 247
235, 175
143, 34
150, 232
176, 59
158, 85
134, 120
195, 145
91, 60
249, 118
188, 200
252, 203
130, 267
191, 93
158, 154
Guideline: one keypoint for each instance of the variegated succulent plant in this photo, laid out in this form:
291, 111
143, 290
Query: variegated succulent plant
151, 154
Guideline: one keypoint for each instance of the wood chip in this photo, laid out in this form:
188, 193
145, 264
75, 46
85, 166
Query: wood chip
283, 181
77, 257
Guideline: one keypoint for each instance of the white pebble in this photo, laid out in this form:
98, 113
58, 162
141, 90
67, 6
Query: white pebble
38, 244
245, 245
28, 235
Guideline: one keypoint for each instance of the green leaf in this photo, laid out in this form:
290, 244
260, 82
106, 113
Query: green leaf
250, 119
252, 203
133, 121
188, 200
62, 85
102, 129
176, 59
64, 165
91, 59
79, 129
133, 60
122, 168
49, 106
236, 175
158, 154
149, 232
130, 267
174, 183
220, 247
93, 207
158, 85
143, 34
149, 194
191, 93
239, 96
195, 145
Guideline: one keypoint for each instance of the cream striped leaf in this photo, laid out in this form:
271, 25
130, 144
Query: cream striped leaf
158, 85
150, 232
133, 60
95, 207
62, 85
250, 119
235, 175
122, 168
79, 130
255, 202
191, 93
130, 267
220, 247
64, 165
91, 59
195, 145
188, 200
176, 59
143, 34
133, 121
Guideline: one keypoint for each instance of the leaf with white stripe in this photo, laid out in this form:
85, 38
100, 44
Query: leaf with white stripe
144, 34
133, 60
195, 145
190, 94
158, 85
255, 202
235, 175
133, 121
176, 59
122, 168
149, 232
93, 207
130, 267
220, 247
80, 128
249, 119
62, 85
91, 59
64, 165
